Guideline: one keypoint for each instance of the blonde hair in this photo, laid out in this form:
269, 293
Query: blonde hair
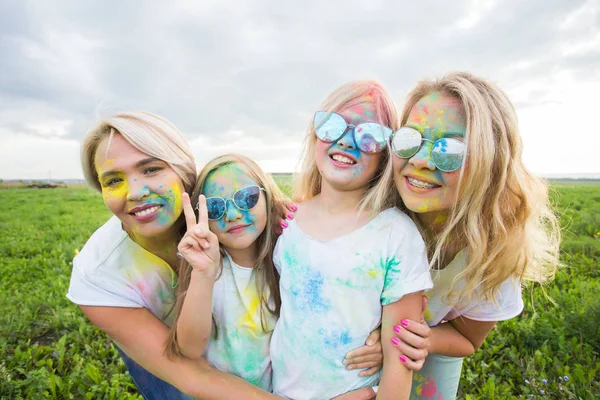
502, 213
266, 276
354, 93
150, 134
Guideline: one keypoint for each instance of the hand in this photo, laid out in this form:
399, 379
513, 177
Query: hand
287, 210
368, 357
359, 394
412, 341
199, 246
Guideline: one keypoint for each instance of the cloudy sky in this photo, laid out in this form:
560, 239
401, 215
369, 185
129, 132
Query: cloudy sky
246, 76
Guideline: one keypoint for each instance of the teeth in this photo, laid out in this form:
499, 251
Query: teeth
146, 211
421, 184
342, 159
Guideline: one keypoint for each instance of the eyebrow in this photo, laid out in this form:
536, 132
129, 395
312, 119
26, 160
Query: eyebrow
138, 164
451, 134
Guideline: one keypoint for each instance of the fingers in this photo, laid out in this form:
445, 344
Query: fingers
364, 365
369, 372
410, 364
202, 213
417, 328
187, 244
203, 237
410, 352
377, 358
411, 339
188, 211
373, 337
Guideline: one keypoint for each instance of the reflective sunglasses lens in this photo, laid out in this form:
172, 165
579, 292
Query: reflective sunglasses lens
215, 207
406, 142
371, 137
247, 197
448, 154
330, 129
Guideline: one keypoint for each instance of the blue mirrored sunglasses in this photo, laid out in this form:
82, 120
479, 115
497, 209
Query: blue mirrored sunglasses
244, 199
447, 153
370, 137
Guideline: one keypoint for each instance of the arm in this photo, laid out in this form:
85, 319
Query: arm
194, 321
396, 379
142, 336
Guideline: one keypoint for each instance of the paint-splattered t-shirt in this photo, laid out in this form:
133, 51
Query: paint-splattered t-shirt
241, 346
112, 270
508, 303
332, 292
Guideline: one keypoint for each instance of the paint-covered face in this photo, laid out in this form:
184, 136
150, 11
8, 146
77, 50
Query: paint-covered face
341, 164
424, 188
142, 191
236, 229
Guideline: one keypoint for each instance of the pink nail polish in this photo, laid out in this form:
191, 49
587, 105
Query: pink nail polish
404, 323
403, 359
284, 224
290, 216
397, 329
395, 341
293, 207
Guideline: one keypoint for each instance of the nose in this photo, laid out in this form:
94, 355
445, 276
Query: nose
137, 190
347, 140
232, 213
423, 160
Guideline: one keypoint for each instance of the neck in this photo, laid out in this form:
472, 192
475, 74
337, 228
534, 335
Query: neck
163, 246
334, 201
244, 257
433, 222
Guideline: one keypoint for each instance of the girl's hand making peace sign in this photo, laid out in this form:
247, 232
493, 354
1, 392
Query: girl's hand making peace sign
199, 246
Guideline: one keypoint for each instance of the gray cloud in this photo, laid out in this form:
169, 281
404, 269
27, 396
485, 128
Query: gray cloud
261, 68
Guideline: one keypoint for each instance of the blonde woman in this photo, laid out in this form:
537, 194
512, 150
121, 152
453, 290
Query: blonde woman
485, 218
125, 277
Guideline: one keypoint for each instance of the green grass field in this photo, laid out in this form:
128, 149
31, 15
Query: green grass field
49, 350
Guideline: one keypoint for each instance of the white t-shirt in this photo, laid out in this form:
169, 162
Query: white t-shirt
509, 301
112, 270
332, 292
241, 347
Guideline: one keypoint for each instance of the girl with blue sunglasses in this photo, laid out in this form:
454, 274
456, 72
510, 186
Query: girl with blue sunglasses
486, 221
229, 303
349, 261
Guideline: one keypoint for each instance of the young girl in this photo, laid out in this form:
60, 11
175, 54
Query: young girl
486, 221
237, 206
347, 261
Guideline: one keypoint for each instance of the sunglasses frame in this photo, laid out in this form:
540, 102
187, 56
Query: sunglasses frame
421, 146
225, 199
348, 125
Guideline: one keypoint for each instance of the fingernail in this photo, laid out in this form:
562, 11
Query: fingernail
293, 207
403, 359
284, 224
397, 329
395, 341
404, 323
207, 245
345, 362
198, 231
370, 342
290, 216
349, 367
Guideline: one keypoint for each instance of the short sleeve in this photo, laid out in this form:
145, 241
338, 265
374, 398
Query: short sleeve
85, 291
406, 265
508, 304
276, 257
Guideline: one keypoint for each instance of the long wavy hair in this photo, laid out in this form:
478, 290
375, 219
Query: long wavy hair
502, 214
265, 274
348, 95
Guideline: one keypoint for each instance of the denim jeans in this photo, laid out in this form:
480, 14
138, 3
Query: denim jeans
149, 386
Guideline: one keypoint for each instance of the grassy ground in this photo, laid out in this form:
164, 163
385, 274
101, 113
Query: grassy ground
49, 350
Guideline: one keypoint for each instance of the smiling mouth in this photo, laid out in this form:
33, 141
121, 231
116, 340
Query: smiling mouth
143, 211
421, 184
342, 159
237, 228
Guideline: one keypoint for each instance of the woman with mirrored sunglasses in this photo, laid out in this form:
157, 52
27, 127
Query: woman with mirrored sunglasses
485, 218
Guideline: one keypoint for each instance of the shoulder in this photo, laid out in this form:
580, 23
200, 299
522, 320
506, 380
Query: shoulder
397, 223
100, 247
